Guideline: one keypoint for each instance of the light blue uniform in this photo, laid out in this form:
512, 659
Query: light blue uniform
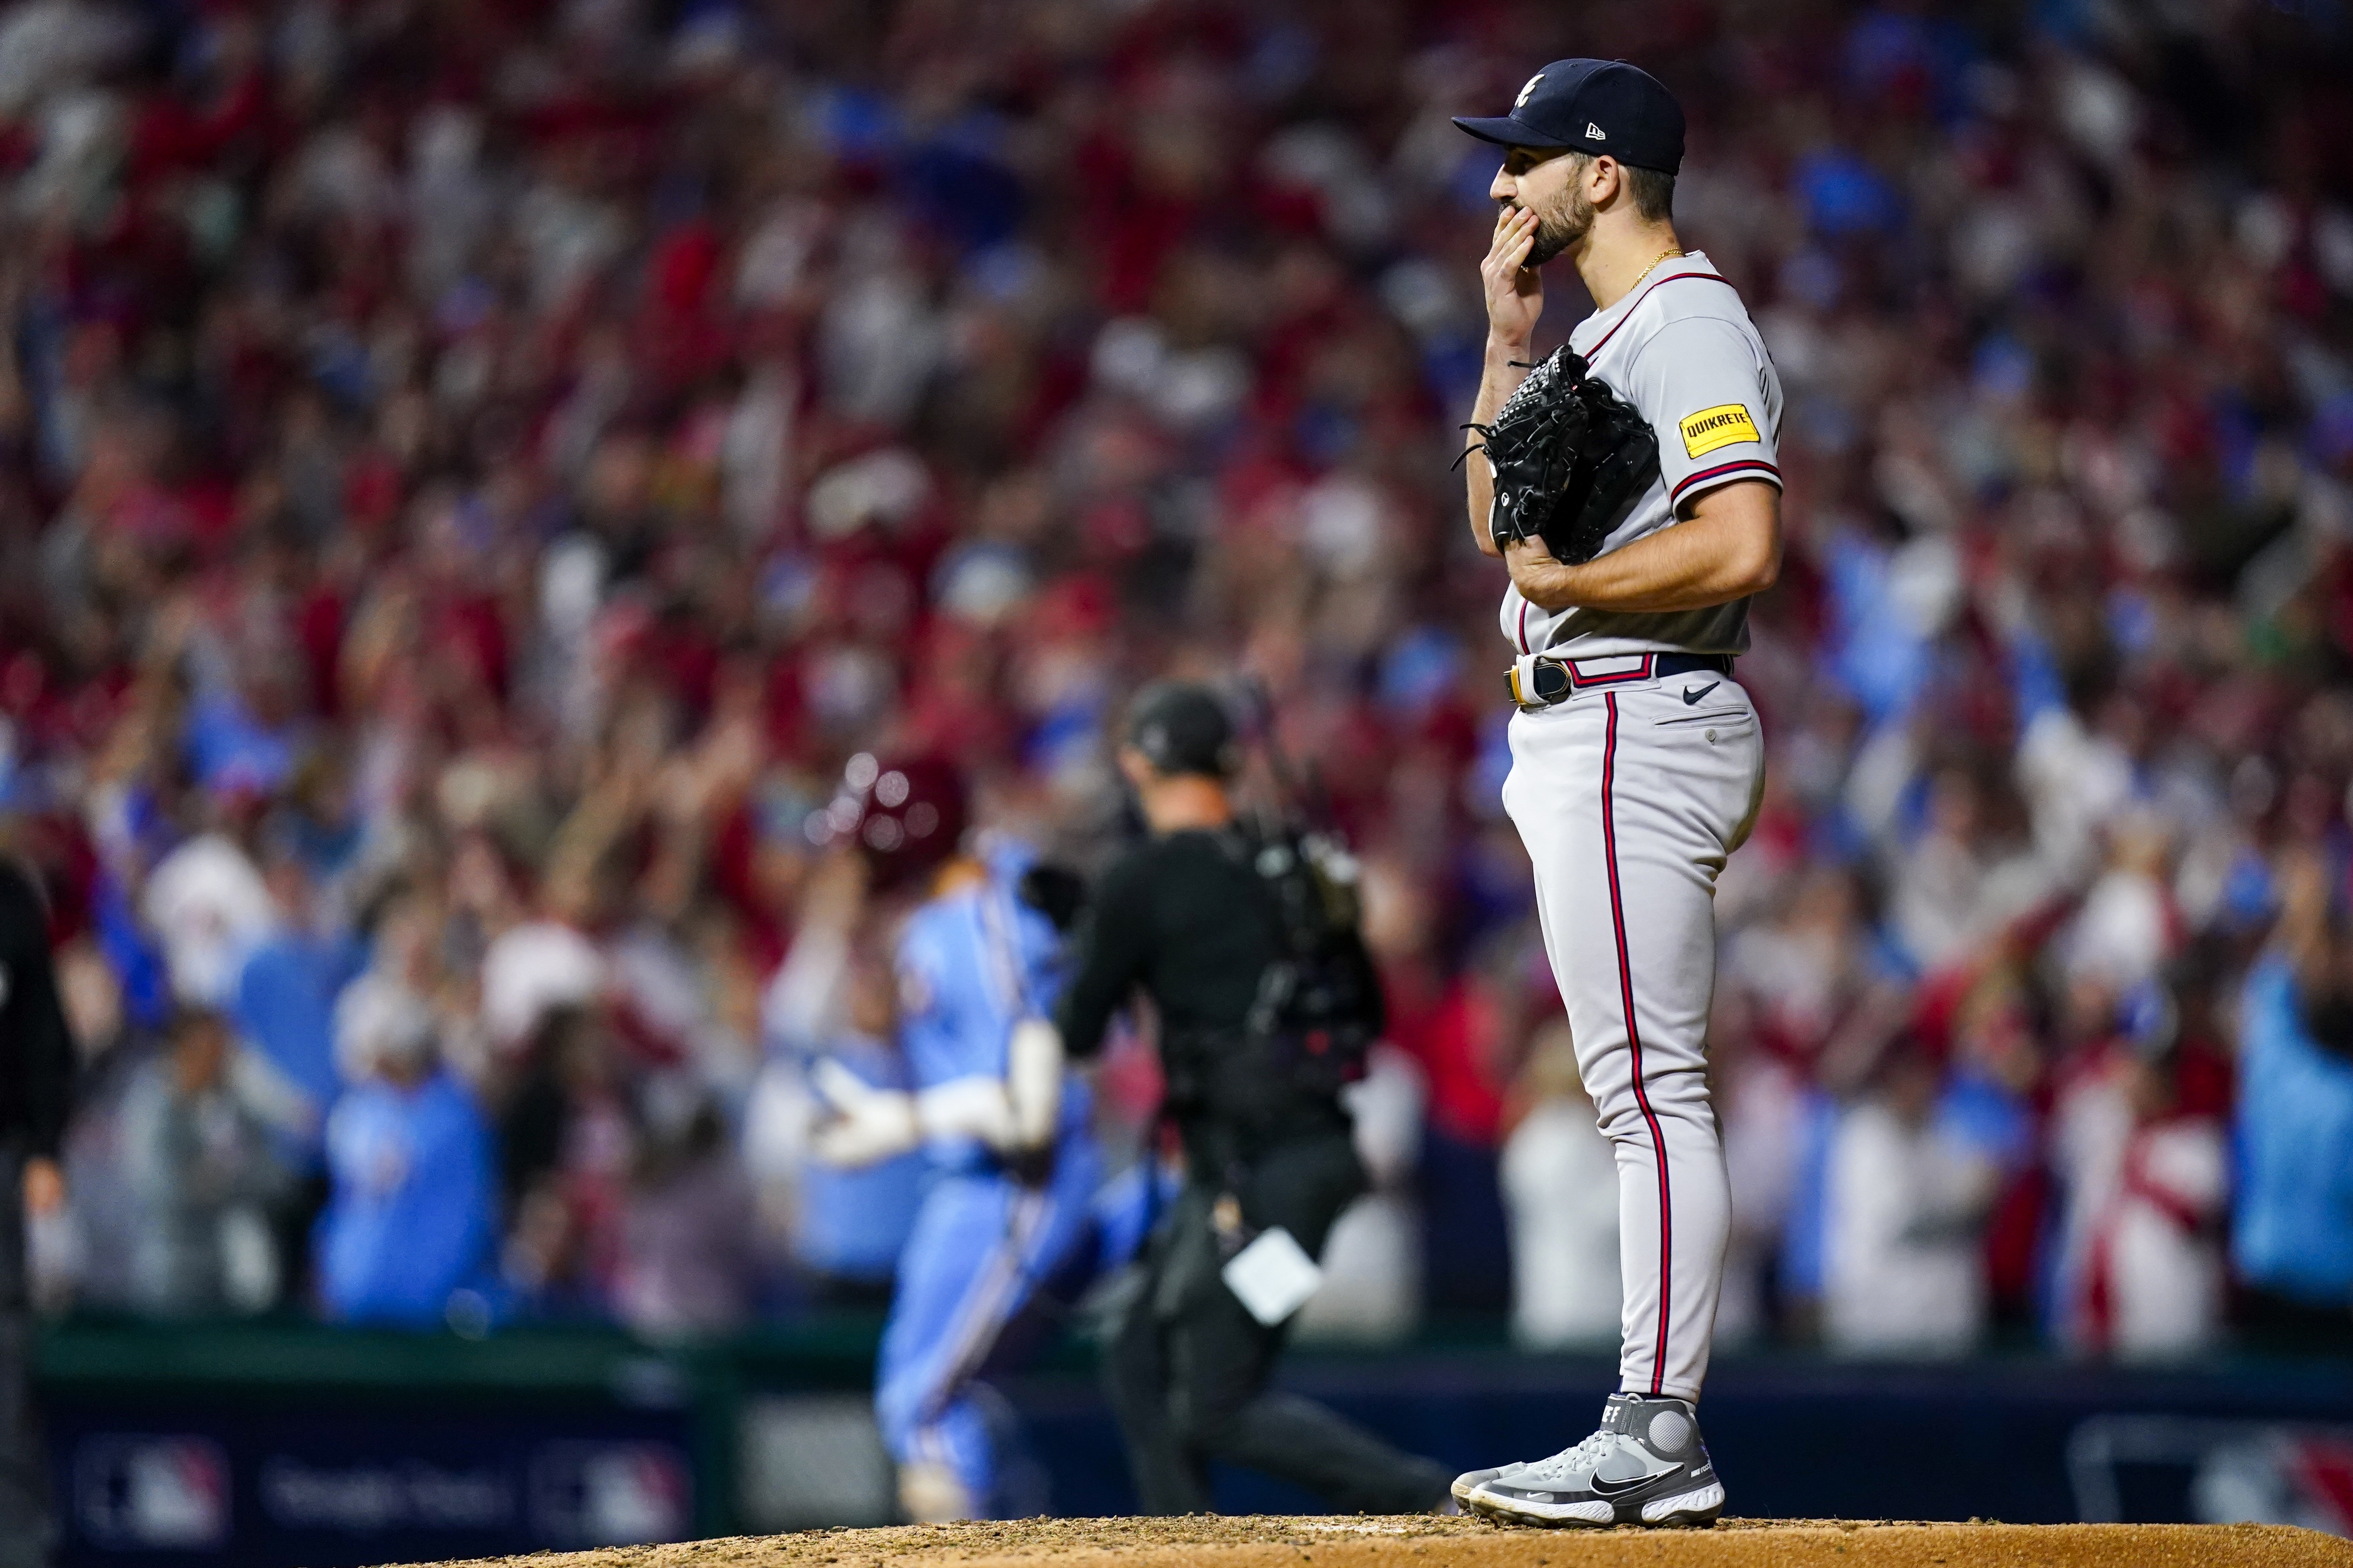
2293, 1221
971, 965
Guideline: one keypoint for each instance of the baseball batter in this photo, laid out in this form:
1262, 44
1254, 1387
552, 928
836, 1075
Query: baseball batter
1007, 1221
1636, 758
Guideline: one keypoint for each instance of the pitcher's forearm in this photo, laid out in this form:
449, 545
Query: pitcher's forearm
1728, 549
1498, 379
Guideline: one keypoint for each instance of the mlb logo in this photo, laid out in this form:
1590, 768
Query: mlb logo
2135, 1467
152, 1494
610, 1494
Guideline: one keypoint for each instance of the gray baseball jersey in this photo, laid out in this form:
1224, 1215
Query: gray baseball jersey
1679, 347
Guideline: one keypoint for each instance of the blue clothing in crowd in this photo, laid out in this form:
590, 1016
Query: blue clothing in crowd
2293, 1228
409, 1221
285, 1007
229, 748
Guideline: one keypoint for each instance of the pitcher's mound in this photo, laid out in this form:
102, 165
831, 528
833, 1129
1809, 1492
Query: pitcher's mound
1342, 1542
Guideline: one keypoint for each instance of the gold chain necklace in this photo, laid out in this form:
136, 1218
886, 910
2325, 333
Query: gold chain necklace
1671, 250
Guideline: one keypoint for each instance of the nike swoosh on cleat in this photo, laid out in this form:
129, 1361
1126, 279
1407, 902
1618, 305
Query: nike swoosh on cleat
1691, 696
1602, 1485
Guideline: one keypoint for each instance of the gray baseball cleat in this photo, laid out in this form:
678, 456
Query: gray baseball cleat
1646, 1466
1470, 1481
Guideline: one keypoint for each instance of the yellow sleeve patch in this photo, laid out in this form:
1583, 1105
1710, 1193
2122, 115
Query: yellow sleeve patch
1726, 425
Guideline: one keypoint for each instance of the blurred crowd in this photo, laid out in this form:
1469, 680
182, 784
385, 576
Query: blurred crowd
473, 477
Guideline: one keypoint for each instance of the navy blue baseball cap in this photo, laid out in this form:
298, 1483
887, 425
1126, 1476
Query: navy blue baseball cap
1594, 107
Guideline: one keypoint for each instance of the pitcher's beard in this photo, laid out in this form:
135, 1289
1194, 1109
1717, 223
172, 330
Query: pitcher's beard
1556, 232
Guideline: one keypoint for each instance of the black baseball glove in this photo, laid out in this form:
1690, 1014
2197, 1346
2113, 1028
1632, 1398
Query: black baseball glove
1569, 457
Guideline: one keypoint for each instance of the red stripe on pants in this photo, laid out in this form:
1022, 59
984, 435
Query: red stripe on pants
1634, 1041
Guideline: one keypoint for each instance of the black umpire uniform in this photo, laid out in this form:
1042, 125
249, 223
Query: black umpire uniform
1187, 917
37, 1063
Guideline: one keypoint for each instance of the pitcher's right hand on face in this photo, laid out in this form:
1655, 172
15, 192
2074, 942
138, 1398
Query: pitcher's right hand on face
1515, 290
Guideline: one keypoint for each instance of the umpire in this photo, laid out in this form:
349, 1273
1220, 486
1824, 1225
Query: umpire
1189, 917
36, 1082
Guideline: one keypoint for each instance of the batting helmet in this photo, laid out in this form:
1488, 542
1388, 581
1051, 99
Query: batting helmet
910, 814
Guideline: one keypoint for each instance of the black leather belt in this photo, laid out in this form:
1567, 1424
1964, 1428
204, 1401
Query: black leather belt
1548, 680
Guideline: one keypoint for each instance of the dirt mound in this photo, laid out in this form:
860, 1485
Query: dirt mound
1228, 1543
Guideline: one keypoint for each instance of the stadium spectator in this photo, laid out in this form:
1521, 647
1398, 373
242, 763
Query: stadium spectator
99, 1206
567, 1137
1560, 1183
1807, 995
2153, 1282
204, 1166
287, 988
208, 904
2140, 1156
688, 1265
1904, 1201
2292, 1241
409, 1221
1467, 1046
1371, 1293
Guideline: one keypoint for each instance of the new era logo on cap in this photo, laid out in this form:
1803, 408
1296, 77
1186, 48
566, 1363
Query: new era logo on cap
1593, 132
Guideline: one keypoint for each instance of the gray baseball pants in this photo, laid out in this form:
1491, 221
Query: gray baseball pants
1630, 794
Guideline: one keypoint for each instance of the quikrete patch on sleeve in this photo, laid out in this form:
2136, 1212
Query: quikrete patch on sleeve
1726, 425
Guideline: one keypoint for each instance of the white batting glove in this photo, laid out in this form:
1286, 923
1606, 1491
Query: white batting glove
866, 1125
973, 1107
1033, 1082
1015, 1115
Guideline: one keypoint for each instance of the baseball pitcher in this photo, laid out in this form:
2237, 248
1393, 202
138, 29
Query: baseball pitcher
1629, 483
